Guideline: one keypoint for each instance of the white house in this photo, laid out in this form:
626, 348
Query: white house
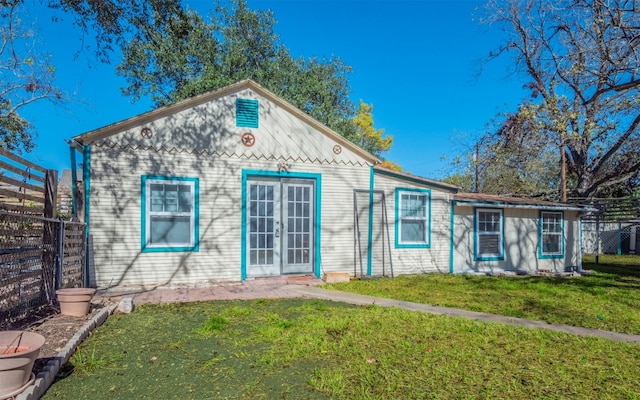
237, 183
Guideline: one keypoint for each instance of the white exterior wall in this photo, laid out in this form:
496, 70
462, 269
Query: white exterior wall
521, 241
435, 258
204, 143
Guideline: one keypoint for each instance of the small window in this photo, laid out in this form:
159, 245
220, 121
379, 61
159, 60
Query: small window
170, 214
489, 234
551, 234
247, 113
412, 217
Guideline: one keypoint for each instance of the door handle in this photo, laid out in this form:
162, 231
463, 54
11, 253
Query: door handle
277, 232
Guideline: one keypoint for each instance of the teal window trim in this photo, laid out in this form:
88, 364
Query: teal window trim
246, 174
476, 253
399, 244
247, 111
145, 248
541, 254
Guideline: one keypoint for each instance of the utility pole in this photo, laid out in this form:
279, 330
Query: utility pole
476, 158
563, 175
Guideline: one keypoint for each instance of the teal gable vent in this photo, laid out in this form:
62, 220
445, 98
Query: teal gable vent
247, 113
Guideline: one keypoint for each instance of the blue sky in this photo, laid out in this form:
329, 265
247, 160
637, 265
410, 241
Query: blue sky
417, 62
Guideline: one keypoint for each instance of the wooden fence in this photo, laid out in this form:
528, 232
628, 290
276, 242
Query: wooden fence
38, 253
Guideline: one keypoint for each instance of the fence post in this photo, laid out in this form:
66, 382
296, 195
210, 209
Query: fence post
60, 263
598, 238
619, 251
49, 234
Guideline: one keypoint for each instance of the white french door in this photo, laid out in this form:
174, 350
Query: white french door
280, 226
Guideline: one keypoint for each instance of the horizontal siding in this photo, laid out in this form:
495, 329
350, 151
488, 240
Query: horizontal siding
417, 260
115, 216
521, 243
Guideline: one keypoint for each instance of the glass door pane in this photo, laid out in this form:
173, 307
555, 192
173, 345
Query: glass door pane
263, 228
298, 240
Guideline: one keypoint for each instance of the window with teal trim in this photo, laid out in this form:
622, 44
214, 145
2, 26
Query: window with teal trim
412, 218
170, 207
247, 113
489, 236
551, 233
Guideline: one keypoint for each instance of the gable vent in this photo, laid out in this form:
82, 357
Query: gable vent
247, 113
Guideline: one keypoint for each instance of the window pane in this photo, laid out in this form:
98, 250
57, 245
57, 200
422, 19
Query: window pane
489, 244
551, 244
305, 210
551, 223
184, 198
413, 205
170, 230
551, 233
291, 256
488, 221
157, 204
157, 197
412, 231
269, 257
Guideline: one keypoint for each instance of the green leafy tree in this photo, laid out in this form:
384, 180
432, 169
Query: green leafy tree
366, 135
581, 61
177, 56
27, 72
465, 181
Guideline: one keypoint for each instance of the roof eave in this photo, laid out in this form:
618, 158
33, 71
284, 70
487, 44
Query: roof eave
109, 130
558, 207
417, 179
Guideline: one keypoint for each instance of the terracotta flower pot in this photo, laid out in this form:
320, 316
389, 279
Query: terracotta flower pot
75, 301
18, 352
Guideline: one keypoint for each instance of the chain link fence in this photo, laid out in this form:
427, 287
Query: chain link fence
611, 237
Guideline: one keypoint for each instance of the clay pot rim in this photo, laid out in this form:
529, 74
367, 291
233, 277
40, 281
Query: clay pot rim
34, 337
76, 291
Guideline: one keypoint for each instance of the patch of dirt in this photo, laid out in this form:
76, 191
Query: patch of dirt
57, 329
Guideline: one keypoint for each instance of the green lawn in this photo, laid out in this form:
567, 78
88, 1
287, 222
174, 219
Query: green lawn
306, 349
608, 299
310, 349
